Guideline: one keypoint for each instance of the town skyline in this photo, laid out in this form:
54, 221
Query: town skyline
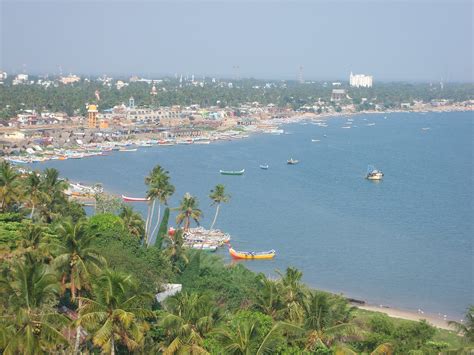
393, 42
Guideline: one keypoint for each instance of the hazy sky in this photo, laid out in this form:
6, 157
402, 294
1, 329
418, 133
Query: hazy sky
408, 40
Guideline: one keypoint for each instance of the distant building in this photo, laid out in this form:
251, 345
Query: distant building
338, 95
3, 76
70, 79
361, 80
92, 116
20, 79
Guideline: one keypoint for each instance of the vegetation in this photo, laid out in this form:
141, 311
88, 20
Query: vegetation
76, 284
72, 98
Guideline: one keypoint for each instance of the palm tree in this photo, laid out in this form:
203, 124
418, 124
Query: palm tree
159, 188
466, 328
268, 298
33, 191
53, 188
175, 250
9, 192
188, 209
116, 313
293, 293
187, 317
245, 337
133, 221
77, 261
218, 196
30, 327
34, 244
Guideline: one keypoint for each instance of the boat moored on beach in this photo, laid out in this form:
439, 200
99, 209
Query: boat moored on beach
232, 172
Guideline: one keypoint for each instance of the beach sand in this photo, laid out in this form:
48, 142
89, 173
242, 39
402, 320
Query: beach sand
434, 320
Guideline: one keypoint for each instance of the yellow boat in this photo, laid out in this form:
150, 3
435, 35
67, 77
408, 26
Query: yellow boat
252, 255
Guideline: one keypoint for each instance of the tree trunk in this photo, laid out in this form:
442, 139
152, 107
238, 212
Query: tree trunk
112, 346
147, 220
150, 222
78, 330
215, 217
156, 225
32, 211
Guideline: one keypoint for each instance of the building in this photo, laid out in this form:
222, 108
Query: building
70, 79
92, 116
20, 79
361, 80
338, 95
3, 76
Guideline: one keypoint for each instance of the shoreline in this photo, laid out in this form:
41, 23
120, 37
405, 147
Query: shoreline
436, 321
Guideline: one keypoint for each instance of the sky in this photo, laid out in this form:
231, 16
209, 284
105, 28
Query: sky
416, 40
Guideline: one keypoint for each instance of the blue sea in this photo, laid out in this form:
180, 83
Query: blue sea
405, 242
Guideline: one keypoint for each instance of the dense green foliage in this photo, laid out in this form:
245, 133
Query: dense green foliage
71, 283
72, 98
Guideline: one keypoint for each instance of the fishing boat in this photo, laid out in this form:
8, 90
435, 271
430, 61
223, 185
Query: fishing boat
134, 199
292, 161
251, 254
315, 140
231, 172
128, 150
264, 166
373, 174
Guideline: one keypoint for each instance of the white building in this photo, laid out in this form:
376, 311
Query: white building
3, 75
361, 80
20, 79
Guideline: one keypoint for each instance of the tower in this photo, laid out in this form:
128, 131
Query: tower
92, 116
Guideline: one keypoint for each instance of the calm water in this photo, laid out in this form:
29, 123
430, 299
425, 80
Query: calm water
404, 242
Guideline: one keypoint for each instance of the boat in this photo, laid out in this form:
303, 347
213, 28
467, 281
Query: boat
252, 254
128, 150
373, 174
292, 161
231, 172
134, 199
371, 124
425, 129
315, 140
346, 127
264, 166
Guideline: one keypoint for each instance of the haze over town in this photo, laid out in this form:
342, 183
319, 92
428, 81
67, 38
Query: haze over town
415, 41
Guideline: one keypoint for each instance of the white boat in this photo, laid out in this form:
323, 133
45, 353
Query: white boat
370, 124
425, 128
292, 161
128, 150
315, 140
373, 174
346, 127
264, 166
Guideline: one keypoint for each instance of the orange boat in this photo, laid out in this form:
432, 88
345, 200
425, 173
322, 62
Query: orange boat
251, 254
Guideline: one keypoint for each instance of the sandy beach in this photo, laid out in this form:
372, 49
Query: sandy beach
434, 320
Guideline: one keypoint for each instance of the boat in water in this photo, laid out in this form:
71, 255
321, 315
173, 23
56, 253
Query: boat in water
264, 166
134, 199
128, 150
252, 254
292, 161
373, 174
232, 172
315, 140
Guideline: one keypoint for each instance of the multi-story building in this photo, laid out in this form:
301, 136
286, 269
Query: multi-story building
361, 80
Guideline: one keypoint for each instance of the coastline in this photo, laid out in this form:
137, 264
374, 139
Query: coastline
433, 319
436, 321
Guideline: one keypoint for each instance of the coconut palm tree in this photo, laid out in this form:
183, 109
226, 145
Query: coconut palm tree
268, 298
35, 245
293, 293
53, 188
175, 250
30, 327
466, 328
77, 262
33, 191
188, 209
116, 313
187, 317
133, 221
218, 196
245, 337
9, 186
159, 188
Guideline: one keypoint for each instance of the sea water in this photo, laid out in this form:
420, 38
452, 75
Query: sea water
406, 241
